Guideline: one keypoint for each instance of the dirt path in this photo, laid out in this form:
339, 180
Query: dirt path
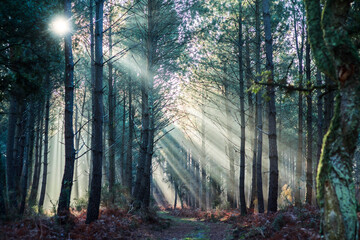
187, 229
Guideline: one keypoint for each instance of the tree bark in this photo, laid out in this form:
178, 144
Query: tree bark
242, 117
309, 170
25, 173
129, 156
145, 118
123, 132
3, 195
97, 146
273, 151
67, 181
10, 151
320, 117
336, 56
92, 80
329, 105
259, 111
111, 123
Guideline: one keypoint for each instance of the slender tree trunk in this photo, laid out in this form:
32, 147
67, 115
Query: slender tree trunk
31, 149
309, 170
253, 121
230, 148
122, 147
25, 173
299, 158
148, 168
242, 117
111, 123
46, 145
128, 170
78, 129
259, 114
203, 175
77, 144
273, 151
92, 75
67, 181
260, 196
37, 167
176, 193
196, 182
19, 148
3, 195
10, 151
203, 154
97, 146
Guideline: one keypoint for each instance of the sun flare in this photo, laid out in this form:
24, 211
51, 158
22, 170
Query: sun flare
60, 25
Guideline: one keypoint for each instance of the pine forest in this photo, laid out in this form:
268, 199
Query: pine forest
180, 119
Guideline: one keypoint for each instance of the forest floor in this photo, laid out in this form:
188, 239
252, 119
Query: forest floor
289, 223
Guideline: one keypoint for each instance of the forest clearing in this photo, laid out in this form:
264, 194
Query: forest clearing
180, 119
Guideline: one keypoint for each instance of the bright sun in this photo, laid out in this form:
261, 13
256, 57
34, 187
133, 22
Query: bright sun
60, 26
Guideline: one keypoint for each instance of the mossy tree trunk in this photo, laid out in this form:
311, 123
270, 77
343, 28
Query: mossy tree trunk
338, 58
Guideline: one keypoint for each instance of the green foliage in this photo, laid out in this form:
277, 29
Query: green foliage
278, 222
80, 203
30, 49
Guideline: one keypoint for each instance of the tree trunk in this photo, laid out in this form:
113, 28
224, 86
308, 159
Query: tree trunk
259, 111
92, 80
329, 105
67, 181
46, 145
309, 170
10, 151
260, 196
3, 195
273, 152
148, 168
19, 148
128, 170
146, 117
37, 167
25, 173
97, 146
320, 117
203, 154
299, 158
230, 149
122, 147
253, 122
111, 123
176, 193
336, 56
242, 117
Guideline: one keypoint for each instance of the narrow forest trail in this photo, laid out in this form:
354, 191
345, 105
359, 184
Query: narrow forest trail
187, 229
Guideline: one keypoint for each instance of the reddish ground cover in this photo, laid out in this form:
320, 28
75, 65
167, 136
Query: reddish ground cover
290, 223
